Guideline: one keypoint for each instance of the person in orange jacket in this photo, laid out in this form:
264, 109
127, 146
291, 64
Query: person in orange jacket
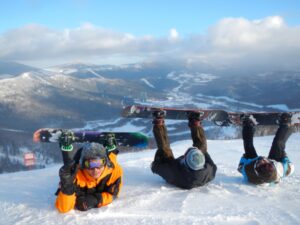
92, 182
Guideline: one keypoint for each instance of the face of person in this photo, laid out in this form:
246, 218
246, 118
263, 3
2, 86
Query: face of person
95, 172
94, 167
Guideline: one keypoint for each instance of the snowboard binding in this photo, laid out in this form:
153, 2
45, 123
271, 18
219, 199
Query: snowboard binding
285, 119
66, 139
248, 120
158, 117
110, 142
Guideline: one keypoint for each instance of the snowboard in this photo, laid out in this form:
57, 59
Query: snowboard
126, 139
219, 117
262, 118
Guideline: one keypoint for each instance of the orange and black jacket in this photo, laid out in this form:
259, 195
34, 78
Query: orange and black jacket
85, 184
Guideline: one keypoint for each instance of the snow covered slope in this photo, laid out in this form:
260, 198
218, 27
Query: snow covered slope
28, 197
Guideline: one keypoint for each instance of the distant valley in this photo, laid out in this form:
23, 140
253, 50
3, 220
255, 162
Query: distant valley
92, 96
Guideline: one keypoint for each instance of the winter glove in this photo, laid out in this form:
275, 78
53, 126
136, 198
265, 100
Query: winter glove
65, 140
67, 175
87, 202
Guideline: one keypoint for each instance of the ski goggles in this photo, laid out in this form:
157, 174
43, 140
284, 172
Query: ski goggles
94, 163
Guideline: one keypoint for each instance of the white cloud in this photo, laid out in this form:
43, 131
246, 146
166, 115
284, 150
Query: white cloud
173, 34
233, 33
232, 42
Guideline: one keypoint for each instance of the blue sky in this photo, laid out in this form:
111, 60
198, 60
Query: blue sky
141, 17
44, 33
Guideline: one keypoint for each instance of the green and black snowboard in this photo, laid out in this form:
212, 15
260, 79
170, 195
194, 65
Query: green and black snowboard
126, 139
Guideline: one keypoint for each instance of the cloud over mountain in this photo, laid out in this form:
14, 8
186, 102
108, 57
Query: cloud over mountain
232, 42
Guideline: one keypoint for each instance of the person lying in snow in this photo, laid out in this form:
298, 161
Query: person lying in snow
92, 180
193, 169
258, 169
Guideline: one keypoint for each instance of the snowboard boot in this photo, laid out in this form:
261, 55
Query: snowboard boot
110, 143
194, 119
248, 120
159, 117
65, 141
285, 119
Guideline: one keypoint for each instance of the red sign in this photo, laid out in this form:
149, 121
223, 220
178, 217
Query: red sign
29, 159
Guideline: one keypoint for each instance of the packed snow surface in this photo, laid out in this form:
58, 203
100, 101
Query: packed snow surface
28, 197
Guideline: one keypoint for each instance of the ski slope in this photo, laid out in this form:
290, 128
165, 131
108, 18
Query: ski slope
28, 197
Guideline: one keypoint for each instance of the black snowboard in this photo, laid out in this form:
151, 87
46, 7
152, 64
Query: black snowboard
127, 139
262, 118
123, 139
219, 117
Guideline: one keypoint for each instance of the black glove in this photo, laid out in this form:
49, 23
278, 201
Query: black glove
87, 202
67, 175
66, 139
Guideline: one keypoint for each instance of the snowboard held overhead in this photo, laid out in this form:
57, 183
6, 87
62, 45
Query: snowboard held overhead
218, 117
127, 139
263, 118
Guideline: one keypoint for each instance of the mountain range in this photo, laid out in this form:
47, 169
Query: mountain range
74, 95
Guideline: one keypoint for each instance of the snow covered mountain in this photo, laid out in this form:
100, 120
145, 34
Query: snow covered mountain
69, 95
28, 197
44, 98
11, 69
92, 96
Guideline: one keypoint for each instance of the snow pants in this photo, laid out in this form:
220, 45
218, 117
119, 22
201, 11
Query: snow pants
174, 171
277, 151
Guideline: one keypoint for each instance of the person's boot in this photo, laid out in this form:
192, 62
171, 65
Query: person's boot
285, 119
248, 120
110, 142
194, 119
158, 117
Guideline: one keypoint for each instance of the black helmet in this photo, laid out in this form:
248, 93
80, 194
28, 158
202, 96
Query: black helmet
92, 151
265, 169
